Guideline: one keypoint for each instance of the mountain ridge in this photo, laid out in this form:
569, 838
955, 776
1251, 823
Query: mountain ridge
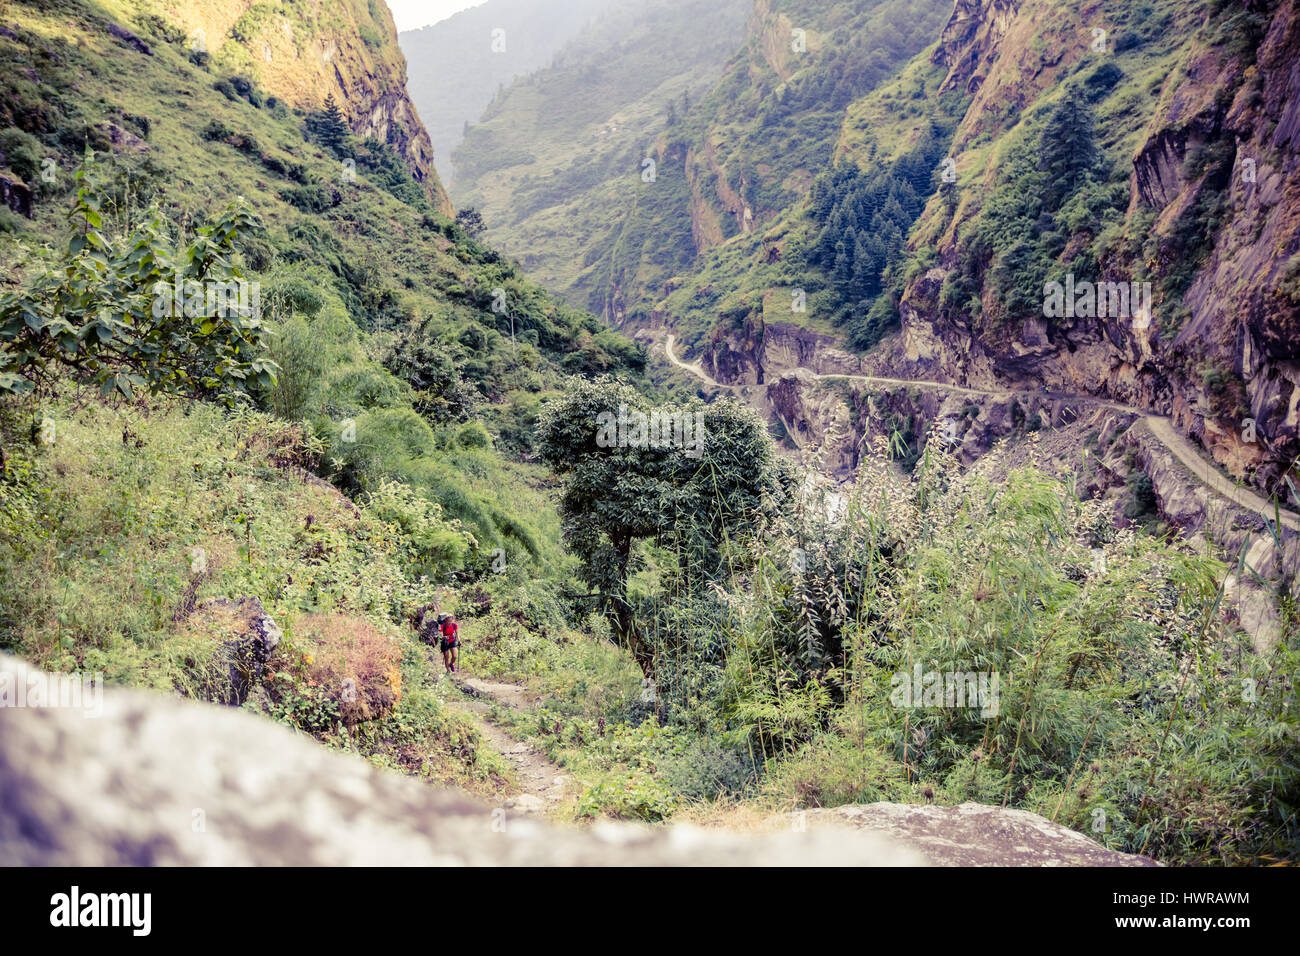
1189, 107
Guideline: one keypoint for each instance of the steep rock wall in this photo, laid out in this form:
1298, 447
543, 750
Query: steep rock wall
1236, 354
307, 51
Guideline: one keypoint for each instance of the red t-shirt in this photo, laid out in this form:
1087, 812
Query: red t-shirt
449, 630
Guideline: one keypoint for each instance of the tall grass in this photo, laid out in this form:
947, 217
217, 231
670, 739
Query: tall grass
1128, 706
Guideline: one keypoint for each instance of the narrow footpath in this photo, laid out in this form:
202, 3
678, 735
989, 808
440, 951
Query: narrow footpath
1162, 429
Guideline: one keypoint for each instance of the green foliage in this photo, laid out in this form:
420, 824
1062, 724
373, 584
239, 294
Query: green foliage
1068, 150
116, 530
1127, 713
382, 165
328, 127
865, 218
713, 481
434, 545
754, 140
471, 220
21, 152
106, 309
371, 293
473, 435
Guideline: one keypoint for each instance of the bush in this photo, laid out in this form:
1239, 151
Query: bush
21, 152
314, 198
348, 661
11, 222
473, 435
834, 769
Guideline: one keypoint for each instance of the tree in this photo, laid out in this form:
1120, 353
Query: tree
842, 271
471, 220
136, 312
866, 270
329, 128
620, 491
1067, 148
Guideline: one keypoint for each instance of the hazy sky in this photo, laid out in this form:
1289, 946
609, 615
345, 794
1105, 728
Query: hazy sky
413, 14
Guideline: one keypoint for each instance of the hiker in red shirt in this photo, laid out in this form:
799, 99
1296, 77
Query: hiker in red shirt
450, 643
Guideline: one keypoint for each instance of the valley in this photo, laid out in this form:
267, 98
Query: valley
951, 518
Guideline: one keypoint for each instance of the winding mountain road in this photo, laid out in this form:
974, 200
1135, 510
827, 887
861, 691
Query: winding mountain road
1161, 428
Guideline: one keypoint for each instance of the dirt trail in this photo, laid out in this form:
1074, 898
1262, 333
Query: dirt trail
695, 368
1161, 428
544, 785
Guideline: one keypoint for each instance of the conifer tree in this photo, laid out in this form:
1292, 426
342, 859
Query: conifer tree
331, 128
1067, 148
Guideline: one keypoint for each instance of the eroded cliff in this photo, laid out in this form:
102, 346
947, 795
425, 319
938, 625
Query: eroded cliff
306, 52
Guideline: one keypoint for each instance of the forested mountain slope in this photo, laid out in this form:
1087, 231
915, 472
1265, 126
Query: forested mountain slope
305, 53
556, 165
1145, 145
727, 159
1148, 144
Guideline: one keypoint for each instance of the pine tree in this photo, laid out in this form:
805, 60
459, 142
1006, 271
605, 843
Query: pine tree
843, 268
865, 273
1067, 148
331, 128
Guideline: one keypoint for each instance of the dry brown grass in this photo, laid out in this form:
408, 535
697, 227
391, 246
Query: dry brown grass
353, 662
728, 813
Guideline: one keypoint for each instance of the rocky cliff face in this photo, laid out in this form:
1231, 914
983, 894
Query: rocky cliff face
1223, 357
759, 351
1245, 302
969, 40
303, 53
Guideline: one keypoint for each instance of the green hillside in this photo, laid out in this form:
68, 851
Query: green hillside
381, 306
398, 381
739, 149
267, 403
557, 160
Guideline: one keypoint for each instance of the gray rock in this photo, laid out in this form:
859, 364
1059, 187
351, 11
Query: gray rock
15, 194
130, 39
973, 834
159, 781
154, 780
245, 655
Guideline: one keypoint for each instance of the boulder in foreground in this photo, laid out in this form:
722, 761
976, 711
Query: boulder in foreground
143, 779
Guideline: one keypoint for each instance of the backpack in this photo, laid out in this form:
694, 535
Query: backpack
430, 628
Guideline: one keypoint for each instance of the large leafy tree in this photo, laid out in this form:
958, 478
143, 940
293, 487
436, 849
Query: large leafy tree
615, 495
95, 313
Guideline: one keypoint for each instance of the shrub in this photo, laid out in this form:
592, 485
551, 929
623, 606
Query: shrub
473, 435
96, 310
21, 152
313, 198
349, 662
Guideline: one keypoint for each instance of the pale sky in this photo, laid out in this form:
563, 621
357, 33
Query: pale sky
413, 14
